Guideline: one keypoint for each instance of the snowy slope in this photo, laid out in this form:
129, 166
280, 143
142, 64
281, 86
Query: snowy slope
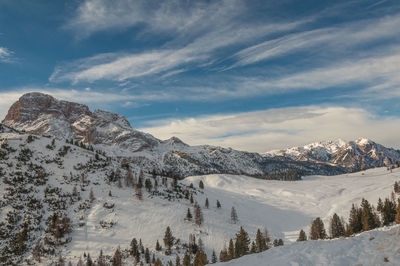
282, 207
377, 247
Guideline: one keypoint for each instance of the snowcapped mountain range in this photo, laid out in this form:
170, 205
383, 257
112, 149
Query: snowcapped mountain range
354, 155
38, 113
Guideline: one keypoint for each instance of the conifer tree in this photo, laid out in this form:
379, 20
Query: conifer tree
253, 248
234, 217
388, 212
89, 261
231, 250
223, 255
336, 227
91, 195
148, 185
200, 259
147, 256
134, 247
186, 260
201, 184
189, 215
200, 245
379, 206
101, 260
355, 222
213, 257
117, 258
397, 218
218, 204
302, 236
177, 261
198, 215
168, 238
317, 229
266, 237
158, 246
158, 262
261, 244
242, 243
191, 199
206, 203
367, 216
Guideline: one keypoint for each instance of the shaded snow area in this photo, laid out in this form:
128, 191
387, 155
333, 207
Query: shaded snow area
109, 221
377, 247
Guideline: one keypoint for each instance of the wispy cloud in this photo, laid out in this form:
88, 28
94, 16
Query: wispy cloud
5, 55
195, 41
279, 128
334, 39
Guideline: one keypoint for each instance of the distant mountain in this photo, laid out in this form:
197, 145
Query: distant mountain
354, 155
41, 114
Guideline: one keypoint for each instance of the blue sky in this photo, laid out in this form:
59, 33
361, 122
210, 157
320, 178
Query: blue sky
252, 75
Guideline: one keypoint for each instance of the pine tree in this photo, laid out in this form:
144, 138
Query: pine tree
317, 229
134, 247
302, 236
218, 204
280, 242
200, 259
223, 255
198, 215
158, 246
191, 199
231, 250
261, 245
379, 206
213, 257
186, 260
201, 184
388, 212
189, 215
242, 243
396, 187
367, 216
117, 258
336, 227
177, 261
89, 261
266, 237
355, 222
168, 238
253, 248
147, 256
234, 217
206, 204
91, 195
141, 247
101, 260
200, 245
397, 218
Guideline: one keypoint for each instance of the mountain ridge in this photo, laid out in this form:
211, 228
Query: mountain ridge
42, 114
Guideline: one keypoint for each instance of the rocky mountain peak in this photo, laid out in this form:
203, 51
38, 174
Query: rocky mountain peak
32, 105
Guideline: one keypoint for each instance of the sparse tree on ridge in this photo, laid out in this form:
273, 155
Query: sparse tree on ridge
317, 229
302, 236
336, 227
234, 217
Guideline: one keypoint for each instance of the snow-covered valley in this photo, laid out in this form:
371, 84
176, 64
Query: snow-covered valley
114, 214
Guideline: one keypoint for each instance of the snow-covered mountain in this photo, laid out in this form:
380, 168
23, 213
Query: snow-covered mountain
354, 155
47, 209
42, 114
